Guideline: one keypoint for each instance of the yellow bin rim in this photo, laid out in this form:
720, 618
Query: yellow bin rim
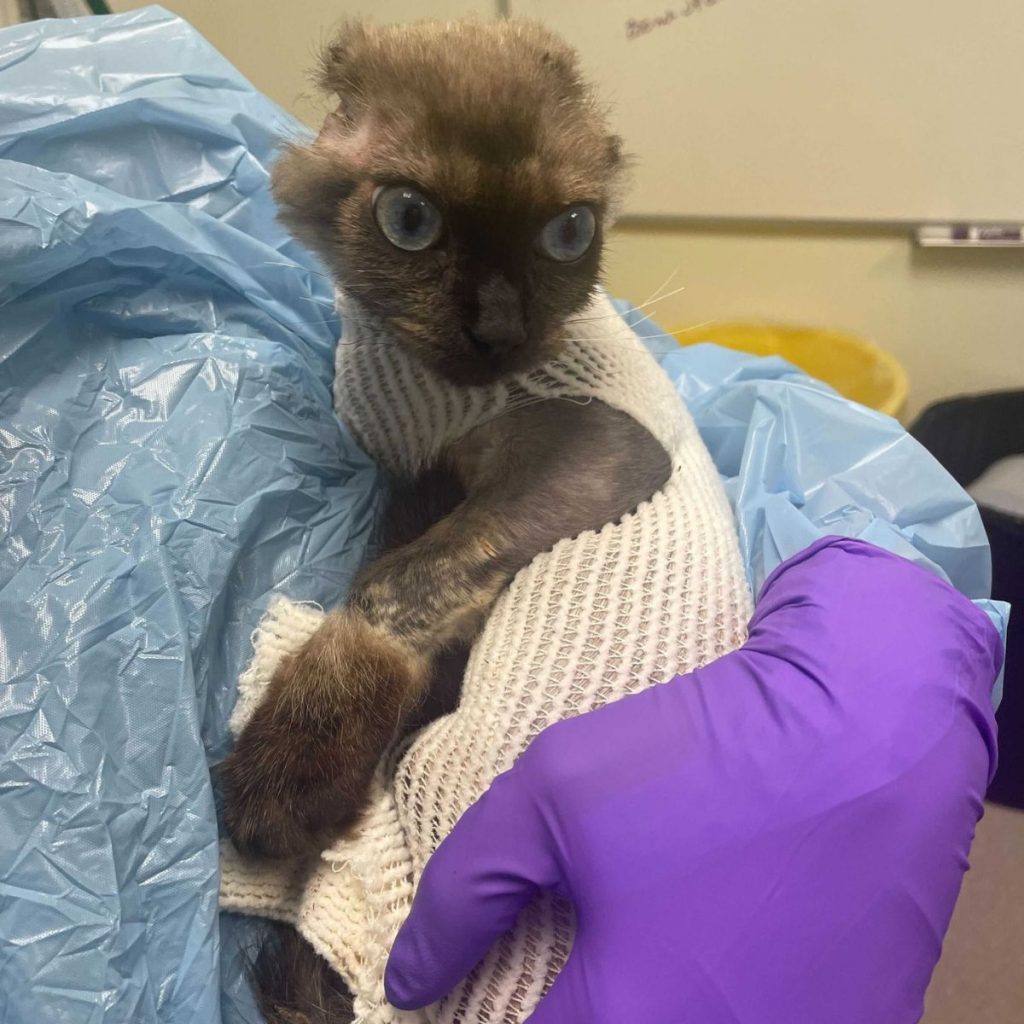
857, 368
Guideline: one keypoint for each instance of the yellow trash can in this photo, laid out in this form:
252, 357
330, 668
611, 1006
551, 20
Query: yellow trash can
856, 368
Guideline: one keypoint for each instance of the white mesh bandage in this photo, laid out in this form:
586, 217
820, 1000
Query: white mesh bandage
599, 616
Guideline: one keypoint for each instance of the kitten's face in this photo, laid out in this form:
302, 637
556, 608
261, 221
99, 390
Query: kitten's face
460, 190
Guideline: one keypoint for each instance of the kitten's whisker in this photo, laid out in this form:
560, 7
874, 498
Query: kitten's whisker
594, 319
654, 302
626, 316
696, 327
598, 339
611, 343
662, 298
653, 297
340, 318
657, 291
319, 323
295, 266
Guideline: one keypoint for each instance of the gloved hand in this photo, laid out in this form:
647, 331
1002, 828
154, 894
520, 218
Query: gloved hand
777, 838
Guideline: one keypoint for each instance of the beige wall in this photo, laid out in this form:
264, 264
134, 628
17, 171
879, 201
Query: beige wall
955, 319
275, 43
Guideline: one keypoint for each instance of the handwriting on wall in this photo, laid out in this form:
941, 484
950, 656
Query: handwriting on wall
637, 27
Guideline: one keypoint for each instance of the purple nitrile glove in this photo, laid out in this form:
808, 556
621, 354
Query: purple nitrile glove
777, 838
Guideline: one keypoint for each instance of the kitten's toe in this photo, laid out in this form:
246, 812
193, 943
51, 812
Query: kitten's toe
265, 829
300, 773
289, 799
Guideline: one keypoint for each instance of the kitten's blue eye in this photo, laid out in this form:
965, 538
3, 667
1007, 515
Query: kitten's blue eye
407, 217
569, 235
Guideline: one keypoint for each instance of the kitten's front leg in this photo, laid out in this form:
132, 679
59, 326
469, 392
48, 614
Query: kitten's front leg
301, 769
299, 773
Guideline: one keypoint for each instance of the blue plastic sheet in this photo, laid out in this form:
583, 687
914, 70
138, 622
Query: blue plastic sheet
169, 459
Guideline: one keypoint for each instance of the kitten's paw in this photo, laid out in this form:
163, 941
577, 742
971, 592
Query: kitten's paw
282, 795
300, 772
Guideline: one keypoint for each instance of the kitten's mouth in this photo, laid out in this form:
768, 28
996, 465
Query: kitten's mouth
483, 361
470, 360
483, 348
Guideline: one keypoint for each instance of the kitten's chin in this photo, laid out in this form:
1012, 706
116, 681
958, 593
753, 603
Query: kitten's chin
463, 365
470, 369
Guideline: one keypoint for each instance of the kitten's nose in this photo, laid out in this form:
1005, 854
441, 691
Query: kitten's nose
498, 327
491, 342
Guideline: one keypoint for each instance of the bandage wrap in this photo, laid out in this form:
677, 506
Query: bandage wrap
597, 617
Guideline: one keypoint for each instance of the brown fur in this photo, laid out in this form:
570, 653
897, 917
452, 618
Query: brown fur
300, 770
294, 985
494, 124
299, 773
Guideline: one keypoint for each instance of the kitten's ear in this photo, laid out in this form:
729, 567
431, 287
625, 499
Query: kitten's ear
618, 165
561, 60
616, 159
346, 131
342, 63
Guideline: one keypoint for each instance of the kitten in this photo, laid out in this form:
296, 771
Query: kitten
459, 195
